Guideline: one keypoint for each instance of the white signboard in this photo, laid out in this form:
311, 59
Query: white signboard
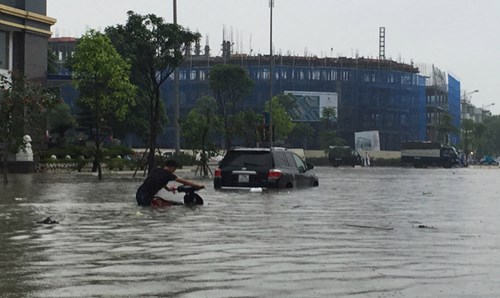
367, 141
310, 105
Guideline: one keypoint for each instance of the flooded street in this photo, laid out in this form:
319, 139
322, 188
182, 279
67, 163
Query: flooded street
364, 232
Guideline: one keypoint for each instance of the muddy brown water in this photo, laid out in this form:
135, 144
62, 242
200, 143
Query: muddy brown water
364, 232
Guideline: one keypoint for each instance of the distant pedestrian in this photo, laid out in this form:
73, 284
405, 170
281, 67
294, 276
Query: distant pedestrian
366, 160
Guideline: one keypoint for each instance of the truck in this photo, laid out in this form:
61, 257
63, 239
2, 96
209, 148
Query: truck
343, 155
428, 154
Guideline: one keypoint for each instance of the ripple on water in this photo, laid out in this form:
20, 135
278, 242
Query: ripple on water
356, 235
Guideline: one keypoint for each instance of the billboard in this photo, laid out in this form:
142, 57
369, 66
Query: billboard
367, 140
310, 105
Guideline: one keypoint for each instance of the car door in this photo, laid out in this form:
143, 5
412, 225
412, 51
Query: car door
301, 174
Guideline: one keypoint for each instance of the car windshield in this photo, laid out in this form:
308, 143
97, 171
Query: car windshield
247, 159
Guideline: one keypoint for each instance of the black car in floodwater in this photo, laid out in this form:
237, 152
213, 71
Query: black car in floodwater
265, 168
344, 156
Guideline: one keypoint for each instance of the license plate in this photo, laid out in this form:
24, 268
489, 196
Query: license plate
243, 178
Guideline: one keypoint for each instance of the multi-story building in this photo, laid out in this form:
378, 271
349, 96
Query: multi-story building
63, 48
373, 94
395, 99
24, 34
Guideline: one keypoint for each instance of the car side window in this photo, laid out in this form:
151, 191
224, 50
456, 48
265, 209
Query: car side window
280, 159
290, 159
300, 163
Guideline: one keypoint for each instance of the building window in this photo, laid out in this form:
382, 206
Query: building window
4, 50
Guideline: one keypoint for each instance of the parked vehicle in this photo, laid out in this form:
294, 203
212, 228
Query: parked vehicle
425, 154
344, 155
265, 168
488, 160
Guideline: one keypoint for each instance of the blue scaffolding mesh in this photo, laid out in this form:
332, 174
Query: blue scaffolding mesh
390, 101
454, 106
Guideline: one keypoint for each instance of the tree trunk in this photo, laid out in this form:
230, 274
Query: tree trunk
154, 130
203, 158
228, 134
204, 164
97, 157
5, 162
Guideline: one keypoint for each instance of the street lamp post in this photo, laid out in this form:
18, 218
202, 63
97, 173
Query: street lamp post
466, 127
465, 94
271, 58
176, 99
483, 107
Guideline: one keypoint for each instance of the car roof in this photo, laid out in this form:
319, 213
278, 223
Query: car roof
255, 149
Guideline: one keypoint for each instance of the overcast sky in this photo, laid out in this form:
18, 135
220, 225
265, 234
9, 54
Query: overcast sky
461, 37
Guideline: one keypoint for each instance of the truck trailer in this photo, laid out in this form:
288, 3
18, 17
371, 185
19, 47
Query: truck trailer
429, 154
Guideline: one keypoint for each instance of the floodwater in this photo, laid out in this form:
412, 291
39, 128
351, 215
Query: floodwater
364, 232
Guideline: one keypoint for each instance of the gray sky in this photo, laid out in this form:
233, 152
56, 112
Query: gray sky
458, 36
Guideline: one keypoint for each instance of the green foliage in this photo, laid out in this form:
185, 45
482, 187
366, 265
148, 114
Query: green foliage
183, 159
468, 139
289, 102
63, 164
489, 136
116, 164
303, 134
328, 116
328, 134
201, 124
22, 103
155, 49
246, 126
76, 151
282, 122
329, 138
445, 127
72, 150
230, 84
117, 150
102, 77
60, 119
200, 127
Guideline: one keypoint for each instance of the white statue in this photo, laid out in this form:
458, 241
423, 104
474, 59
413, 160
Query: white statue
25, 152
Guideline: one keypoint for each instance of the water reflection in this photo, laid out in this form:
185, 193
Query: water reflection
356, 235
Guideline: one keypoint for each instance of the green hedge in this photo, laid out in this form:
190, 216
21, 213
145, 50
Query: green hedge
76, 151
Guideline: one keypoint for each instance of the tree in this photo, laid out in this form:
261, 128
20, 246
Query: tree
229, 83
60, 120
22, 104
246, 126
489, 142
102, 77
289, 102
467, 135
199, 128
479, 133
328, 135
155, 49
302, 134
445, 127
282, 122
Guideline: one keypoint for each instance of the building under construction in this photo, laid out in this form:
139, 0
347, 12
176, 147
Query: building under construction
373, 94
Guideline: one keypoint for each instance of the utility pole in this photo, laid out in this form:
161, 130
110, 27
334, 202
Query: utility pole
271, 59
176, 100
